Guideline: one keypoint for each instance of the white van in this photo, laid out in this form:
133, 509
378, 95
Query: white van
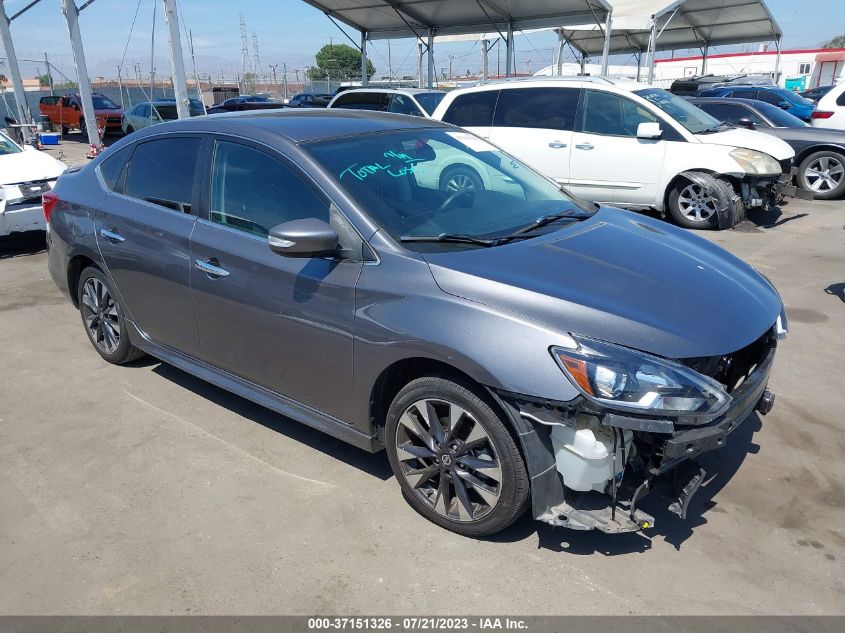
629, 145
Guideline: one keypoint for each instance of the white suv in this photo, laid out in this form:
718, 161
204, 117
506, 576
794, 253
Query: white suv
830, 110
629, 145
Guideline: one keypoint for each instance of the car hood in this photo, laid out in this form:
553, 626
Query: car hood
806, 134
621, 278
27, 166
750, 139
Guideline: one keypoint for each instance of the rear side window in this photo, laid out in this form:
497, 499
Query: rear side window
162, 172
50, 100
474, 109
548, 108
251, 191
378, 101
743, 94
840, 100
770, 97
112, 167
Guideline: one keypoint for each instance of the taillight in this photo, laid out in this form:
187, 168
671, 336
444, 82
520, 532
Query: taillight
49, 200
821, 114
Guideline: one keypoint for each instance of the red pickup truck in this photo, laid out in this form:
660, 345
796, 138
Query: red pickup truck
66, 113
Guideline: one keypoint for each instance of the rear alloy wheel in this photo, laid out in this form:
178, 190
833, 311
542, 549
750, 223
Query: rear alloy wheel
823, 173
692, 206
103, 319
454, 458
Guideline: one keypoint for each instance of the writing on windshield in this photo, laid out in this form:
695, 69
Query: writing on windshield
397, 164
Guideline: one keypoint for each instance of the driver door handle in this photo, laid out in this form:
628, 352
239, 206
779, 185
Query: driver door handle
585, 146
557, 145
211, 268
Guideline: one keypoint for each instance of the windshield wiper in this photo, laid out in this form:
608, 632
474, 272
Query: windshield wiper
547, 219
717, 128
450, 237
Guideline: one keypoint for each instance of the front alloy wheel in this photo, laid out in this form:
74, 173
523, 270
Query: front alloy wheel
696, 204
448, 459
454, 456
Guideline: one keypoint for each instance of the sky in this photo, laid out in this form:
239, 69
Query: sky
289, 32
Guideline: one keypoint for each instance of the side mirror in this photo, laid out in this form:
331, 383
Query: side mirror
649, 131
746, 123
309, 237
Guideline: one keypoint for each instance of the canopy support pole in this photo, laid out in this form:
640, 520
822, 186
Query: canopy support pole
509, 51
485, 63
705, 52
777, 62
72, 19
177, 63
639, 64
22, 114
365, 77
652, 47
583, 63
419, 64
608, 26
561, 40
430, 59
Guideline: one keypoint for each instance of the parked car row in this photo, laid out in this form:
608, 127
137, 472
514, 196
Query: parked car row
510, 346
613, 143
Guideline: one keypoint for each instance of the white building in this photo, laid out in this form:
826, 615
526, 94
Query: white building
799, 69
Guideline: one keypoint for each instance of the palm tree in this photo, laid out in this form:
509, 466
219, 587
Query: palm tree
836, 42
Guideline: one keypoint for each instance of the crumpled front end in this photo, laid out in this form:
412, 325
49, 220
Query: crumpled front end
592, 465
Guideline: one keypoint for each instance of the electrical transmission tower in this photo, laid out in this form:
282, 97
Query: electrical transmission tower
245, 63
256, 61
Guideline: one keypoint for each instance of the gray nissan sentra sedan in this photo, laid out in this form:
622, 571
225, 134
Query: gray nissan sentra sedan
508, 344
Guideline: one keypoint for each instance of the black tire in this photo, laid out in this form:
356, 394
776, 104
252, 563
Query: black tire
454, 177
123, 352
65, 130
82, 128
679, 215
497, 447
825, 188
129, 130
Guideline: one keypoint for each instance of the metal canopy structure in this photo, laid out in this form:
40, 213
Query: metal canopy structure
423, 19
638, 26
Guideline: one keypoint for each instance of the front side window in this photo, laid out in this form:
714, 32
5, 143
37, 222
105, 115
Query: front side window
743, 94
167, 112
681, 110
162, 172
104, 103
403, 104
548, 108
404, 182
251, 191
473, 109
429, 100
770, 97
612, 114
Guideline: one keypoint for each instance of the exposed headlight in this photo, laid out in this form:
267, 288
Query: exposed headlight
622, 378
754, 162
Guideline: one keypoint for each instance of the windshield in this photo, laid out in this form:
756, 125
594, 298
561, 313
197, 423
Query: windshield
7, 146
692, 118
104, 103
793, 97
429, 100
778, 117
431, 182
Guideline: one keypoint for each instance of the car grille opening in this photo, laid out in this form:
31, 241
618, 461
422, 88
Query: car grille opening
733, 369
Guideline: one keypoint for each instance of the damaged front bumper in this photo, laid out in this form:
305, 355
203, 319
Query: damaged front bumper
662, 454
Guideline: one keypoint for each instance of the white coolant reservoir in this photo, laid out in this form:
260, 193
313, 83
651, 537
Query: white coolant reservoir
584, 453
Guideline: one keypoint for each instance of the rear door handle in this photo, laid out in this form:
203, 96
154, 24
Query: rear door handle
210, 267
585, 146
557, 145
112, 236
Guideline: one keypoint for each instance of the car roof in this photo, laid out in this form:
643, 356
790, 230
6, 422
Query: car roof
301, 125
409, 91
739, 101
578, 81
